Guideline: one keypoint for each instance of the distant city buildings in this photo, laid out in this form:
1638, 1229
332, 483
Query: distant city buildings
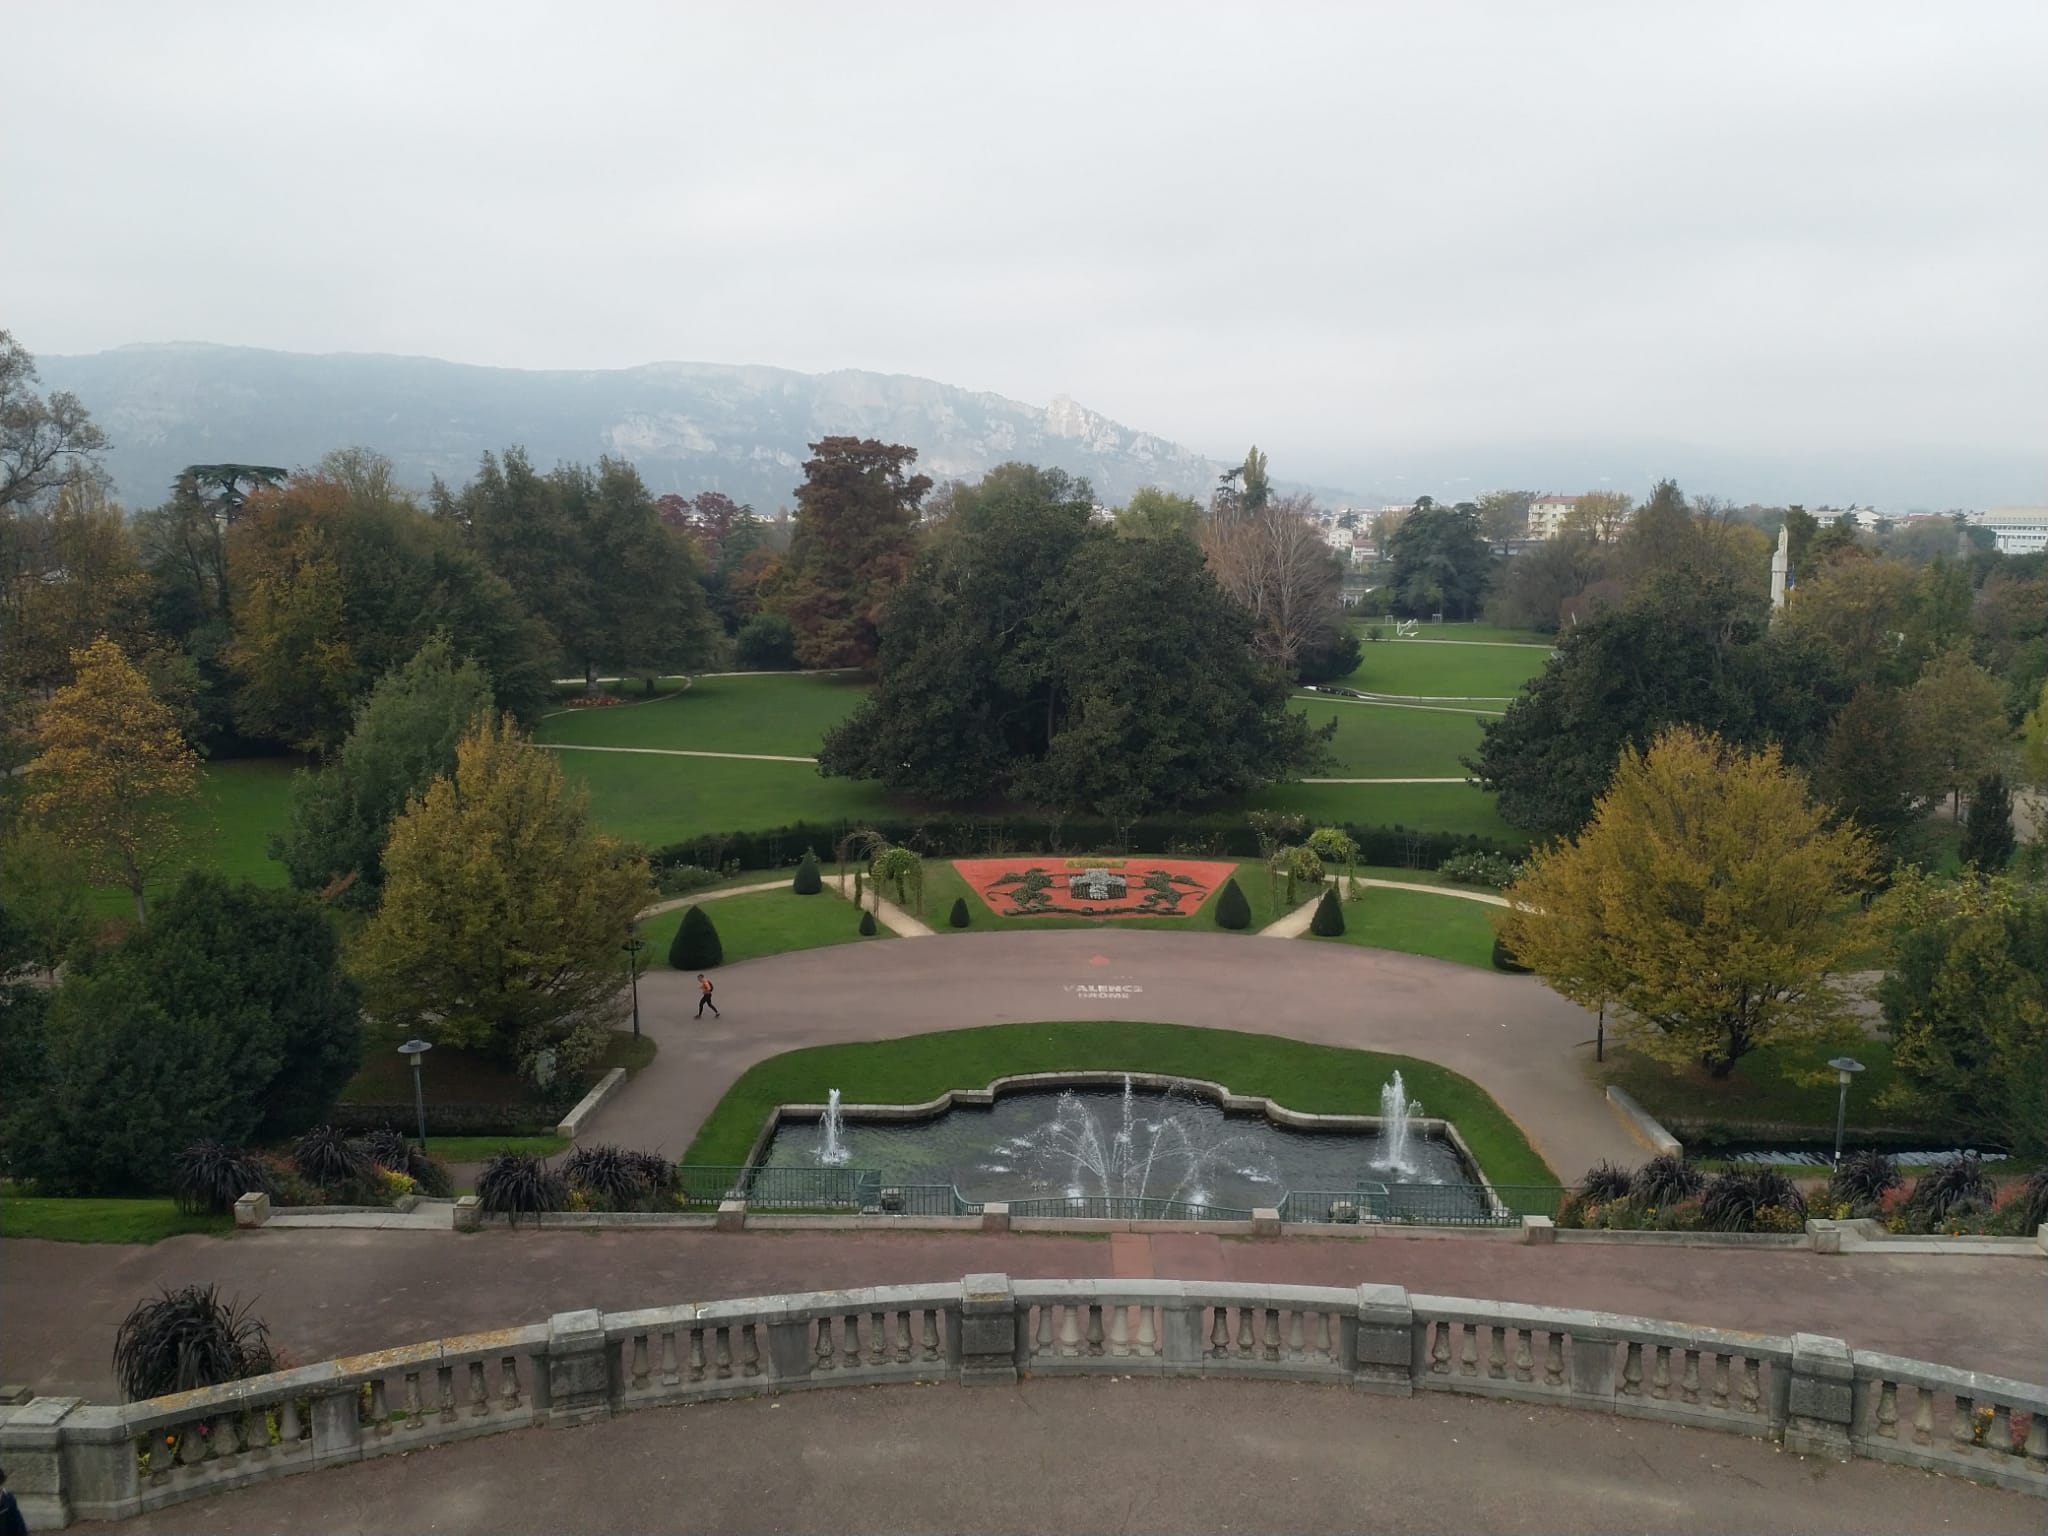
1548, 515
2018, 530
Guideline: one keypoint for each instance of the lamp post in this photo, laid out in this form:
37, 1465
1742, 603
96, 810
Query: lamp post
632, 947
412, 1051
1845, 1067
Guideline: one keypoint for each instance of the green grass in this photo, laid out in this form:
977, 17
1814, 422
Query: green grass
1418, 807
658, 800
227, 828
1781, 1085
478, 1149
1446, 927
1317, 1079
766, 923
786, 715
1492, 634
1475, 671
1392, 741
101, 1221
942, 882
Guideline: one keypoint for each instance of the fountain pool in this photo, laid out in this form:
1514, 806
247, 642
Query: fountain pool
1091, 1142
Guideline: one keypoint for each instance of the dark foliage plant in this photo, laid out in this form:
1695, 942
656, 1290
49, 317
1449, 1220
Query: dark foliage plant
519, 1184
1958, 1184
612, 1178
210, 1176
1732, 1200
808, 881
657, 1171
1604, 1182
1329, 919
1232, 909
2032, 1197
1862, 1178
188, 1338
867, 924
1666, 1179
696, 946
393, 1149
328, 1158
1504, 960
959, 916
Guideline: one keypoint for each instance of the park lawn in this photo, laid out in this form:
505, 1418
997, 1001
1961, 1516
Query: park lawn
942, 883
1416, 923
1376, 741
225, 828
478, 1149
63, 1220
765, 923
1495, 672
659, 800
783, 714
1464, 808
1315, 1079
1472, 633
1786, 1085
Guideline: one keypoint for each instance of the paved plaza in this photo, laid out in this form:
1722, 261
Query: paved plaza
1105, 1455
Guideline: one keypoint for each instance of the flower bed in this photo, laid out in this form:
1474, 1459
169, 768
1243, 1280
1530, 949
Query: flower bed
1046, 886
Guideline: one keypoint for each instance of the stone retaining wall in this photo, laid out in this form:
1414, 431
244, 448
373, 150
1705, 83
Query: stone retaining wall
70, 1460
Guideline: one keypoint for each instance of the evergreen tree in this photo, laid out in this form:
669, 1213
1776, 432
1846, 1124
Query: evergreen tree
808, 881
696, 946
1328, 922
958, 917
1988, 840
855, 536
867, 924
1232, 910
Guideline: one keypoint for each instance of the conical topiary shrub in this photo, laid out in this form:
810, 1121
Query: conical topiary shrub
1504, 960
1232, 910
867, 924
958, 918
696, 946
1329, 919
807, 881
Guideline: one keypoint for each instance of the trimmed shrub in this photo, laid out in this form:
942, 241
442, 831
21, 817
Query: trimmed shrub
1862, 1178
1752, 1200
959, 917
324, 1156
1496, 870
1232, 909
660, 1174
209, 1177
519, 1184
1329, 919
867, 924
1604, 1182
695, 946
392, 1149
1665, 1180
2030, 1197
188, 1338
1504, 960
808, 881
1959, 1185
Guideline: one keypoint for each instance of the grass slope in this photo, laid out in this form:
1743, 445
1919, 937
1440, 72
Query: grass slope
101, 1221
783, 714
1787, 1085
1317, 1079
1423, 667
1418, 807
226, 827
1447, 927
657, 800
1375, 741
765, 923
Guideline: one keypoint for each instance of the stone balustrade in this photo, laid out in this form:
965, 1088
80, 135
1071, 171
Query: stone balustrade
70, 1460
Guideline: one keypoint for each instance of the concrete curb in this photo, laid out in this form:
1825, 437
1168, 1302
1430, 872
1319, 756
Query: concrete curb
1641, 1126
587, 1105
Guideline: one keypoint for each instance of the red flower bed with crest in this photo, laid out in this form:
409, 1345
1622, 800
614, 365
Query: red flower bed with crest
1050, 885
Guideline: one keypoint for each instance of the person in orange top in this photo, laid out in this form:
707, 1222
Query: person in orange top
704, 997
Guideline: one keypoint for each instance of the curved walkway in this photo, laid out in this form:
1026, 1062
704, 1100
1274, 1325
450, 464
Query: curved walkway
1104, 1455
1511, 1035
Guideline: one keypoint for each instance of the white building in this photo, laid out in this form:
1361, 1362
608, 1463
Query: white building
1548, 514
2019, 530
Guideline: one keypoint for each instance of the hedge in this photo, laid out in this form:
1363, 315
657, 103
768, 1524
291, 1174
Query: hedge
949, 836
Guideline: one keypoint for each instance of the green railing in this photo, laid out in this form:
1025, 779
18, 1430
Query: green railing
1124, 1208
1434, 1205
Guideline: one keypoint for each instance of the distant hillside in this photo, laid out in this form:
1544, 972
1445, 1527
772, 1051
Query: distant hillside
688, 426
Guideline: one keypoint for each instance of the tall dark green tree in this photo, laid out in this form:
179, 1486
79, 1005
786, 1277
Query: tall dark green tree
1441, 563
1988, 839
1874, 769
855, 538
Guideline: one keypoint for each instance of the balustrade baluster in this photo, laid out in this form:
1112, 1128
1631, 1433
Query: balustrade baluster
288, 1427
1045, 1310
823, 1347
639, 1365
1888, 1410
1094, 1330
1246, 1343
902, 1321
1660, 1378
508, 1382
1468, 1357
1962, 1424
1689, 1382
1923, 1416
1269, 1331
1553, 1360
1119, 1331
1523, 1356
1632, 1371
1440, 1351
849, 1342
878, 1338
445, 1387
380, 1412
1297, 1336
479, 1395
226, 1435
1496, 1353
1219, 1332
414, 1409
1721, 1381
1998, 1434
931, 1333
2037, 1437
1752, 1387
724, 1352
750, 1349
1070, 1329
192, 1438
1148, 1333
671, 1370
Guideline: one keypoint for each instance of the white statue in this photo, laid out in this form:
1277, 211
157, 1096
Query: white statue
1781, 570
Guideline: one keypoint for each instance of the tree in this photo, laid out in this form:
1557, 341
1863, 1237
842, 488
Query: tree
1330, 655
808, 881
1155, 514
1684, 652
1965, 1000
2034, 740
1600, 515
72, 572
855, 538
1233, 911
502, 910
404, 737
42, 438
1988, 840
959, 917
45, 899
1328, 921
1957, 710
765, 643
1706, 897
1874, 768
1440, 563
111, 769
227, 1018
1867, 617
644, 613
1504, 515
1272, 559
696, 946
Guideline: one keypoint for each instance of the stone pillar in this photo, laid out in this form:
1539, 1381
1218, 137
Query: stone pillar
101, 1480
988, 1331
469, 1214
579, 1368
252, 1209
337, 1426
1182, 1343
1384, 1359
732, 1215
1539, 1229
1592, 1376
1265, 1222
2041, 1237
32, 1451
1821, 1401
1825, 1236
995, 1216
789, 1348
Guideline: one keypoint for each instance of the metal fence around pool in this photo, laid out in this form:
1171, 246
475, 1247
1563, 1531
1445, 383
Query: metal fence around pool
866, 1190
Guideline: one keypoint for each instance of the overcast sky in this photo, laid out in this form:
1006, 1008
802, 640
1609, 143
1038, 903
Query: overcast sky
1346, 232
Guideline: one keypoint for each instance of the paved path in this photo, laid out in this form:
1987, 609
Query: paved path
342, 1292
691, 900
1441, 709
1510, 1034
1388, 781
887, 913
1295, 923
746, 757
1103, 1455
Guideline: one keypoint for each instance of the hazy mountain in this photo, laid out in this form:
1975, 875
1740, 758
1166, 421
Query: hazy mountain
688, 426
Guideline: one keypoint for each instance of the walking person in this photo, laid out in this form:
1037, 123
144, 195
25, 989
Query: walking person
704, 997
